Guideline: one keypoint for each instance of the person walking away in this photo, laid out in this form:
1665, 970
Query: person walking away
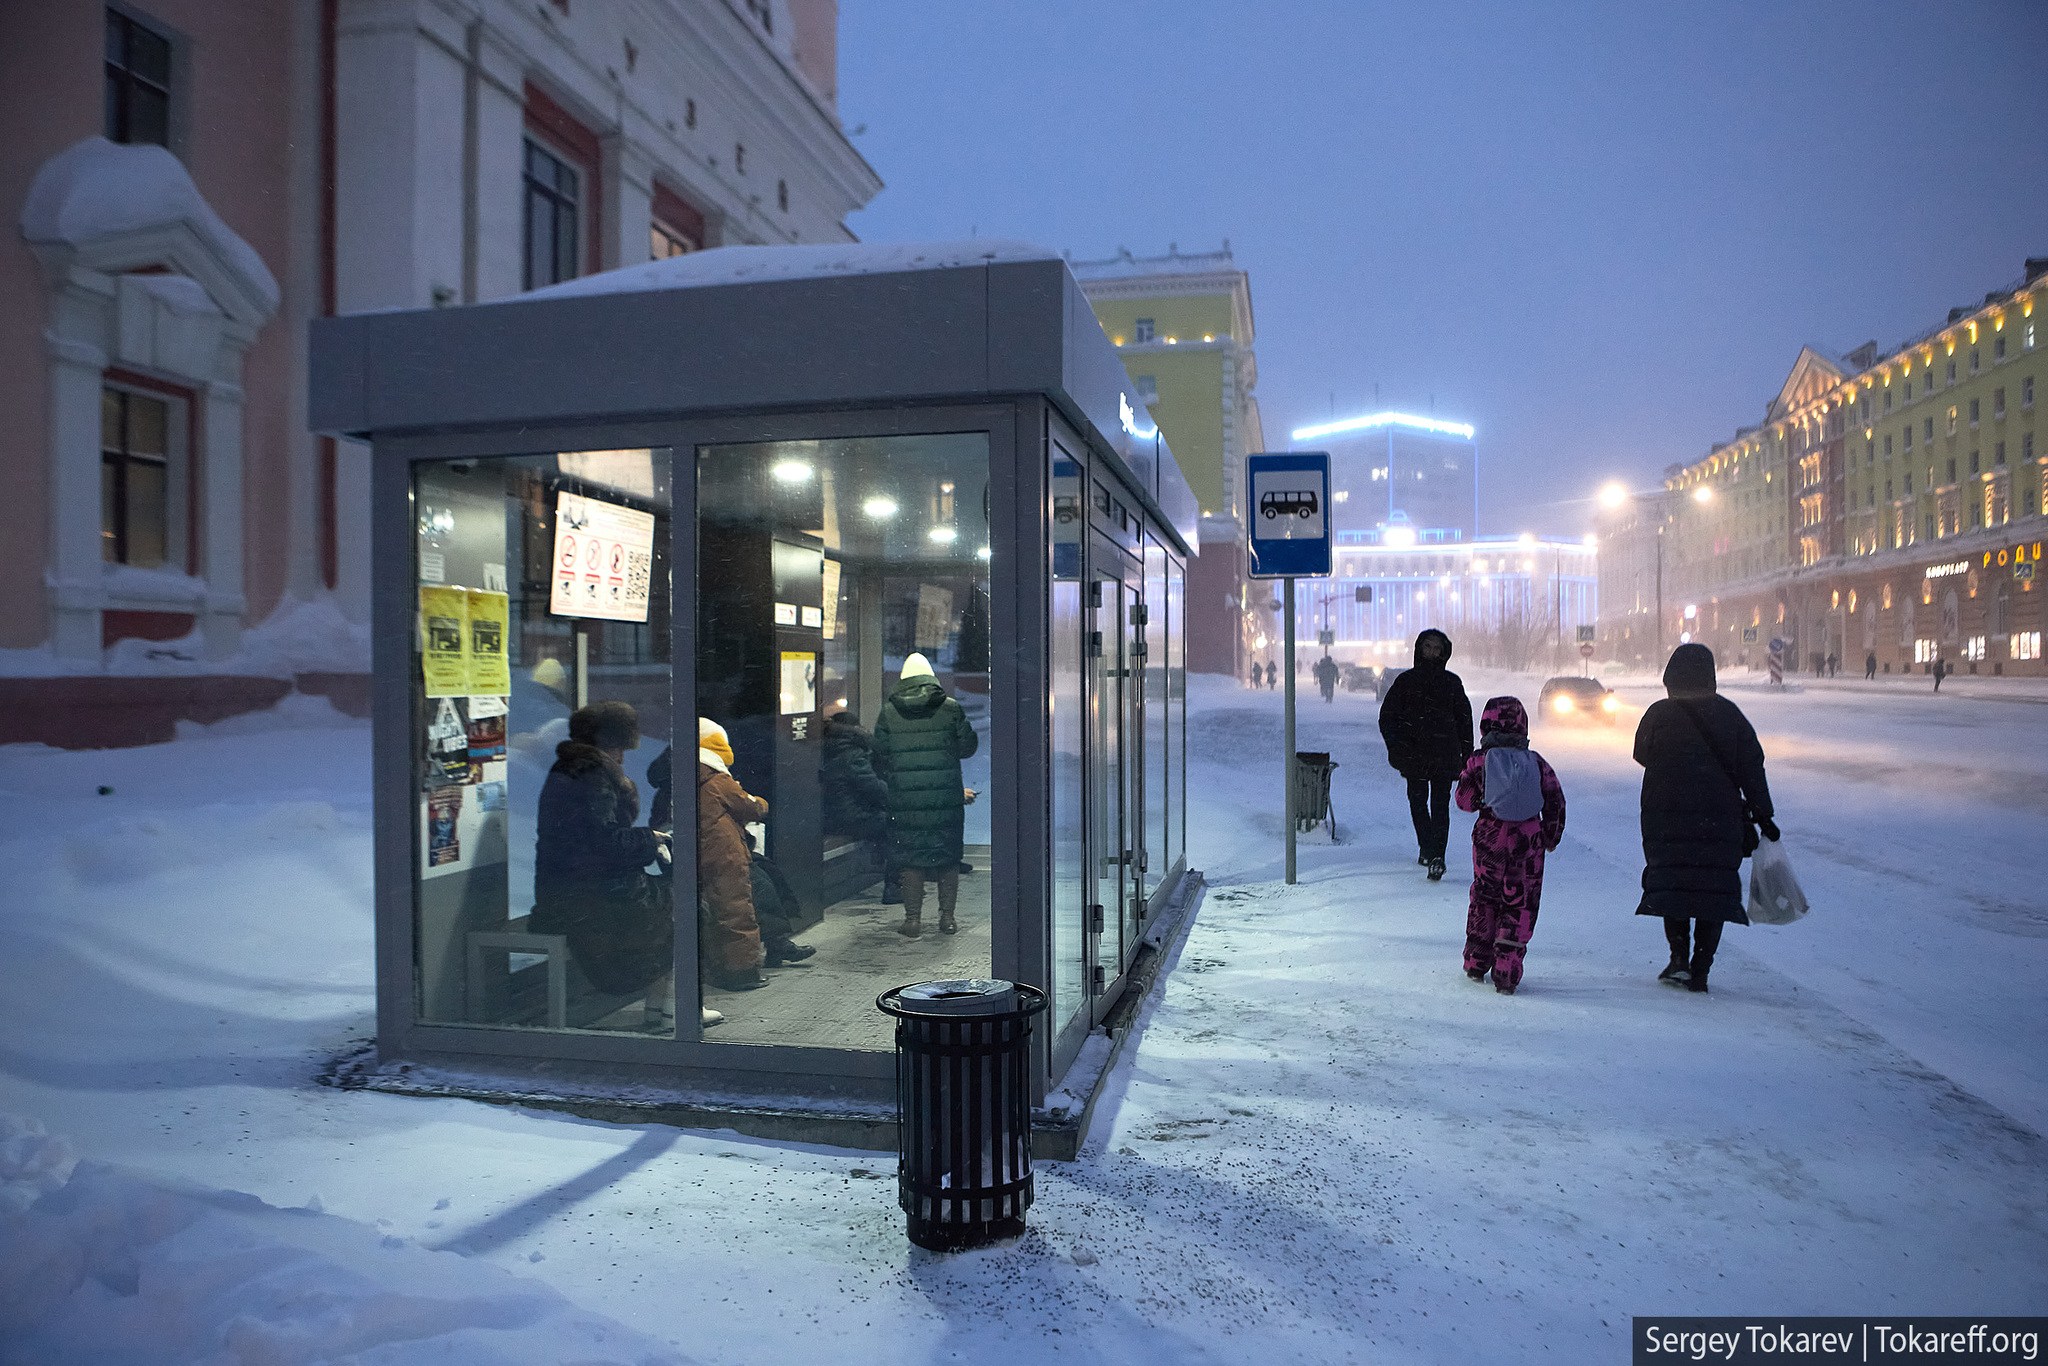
1426, 720
590, 882
1870, 664
1326, 677
733, 952
1272, 674
1834, 664
922, 734
1521, 818
1704, 797
1940, 671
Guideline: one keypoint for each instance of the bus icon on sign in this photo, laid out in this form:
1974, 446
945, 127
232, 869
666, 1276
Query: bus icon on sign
1297, 503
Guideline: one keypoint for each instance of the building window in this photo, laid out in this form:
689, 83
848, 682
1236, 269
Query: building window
1887, 445
553, 190
1951, 372
1997, 403
1888, 490
1975, 405
1998, 347
2026, 645
1143, 330
664, 243
1976, 466
2027, 446
2027, 392
782, 195
1927, 425
138, 83
1998, 453
1973, 360
1909, 436
1973, 647
1951, 423
1148, 387
135, 478
1887, 398
1930, 526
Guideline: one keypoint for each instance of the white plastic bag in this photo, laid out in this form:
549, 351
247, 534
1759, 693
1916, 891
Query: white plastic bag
1774, 895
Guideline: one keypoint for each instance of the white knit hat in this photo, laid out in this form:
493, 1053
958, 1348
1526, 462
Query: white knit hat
917, 666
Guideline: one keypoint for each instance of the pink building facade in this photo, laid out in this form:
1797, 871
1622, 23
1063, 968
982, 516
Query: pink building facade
191, 183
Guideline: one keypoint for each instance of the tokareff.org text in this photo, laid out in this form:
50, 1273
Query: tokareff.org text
1877, 1340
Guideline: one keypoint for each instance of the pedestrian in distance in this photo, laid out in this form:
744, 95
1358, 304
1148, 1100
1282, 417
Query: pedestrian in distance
1940, 671
1704, 799
1870, 664
1272, 674
1426, 720
1326, 677
1521, 818
1834, 663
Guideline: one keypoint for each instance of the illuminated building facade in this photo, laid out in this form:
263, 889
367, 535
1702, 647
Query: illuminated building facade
1889, 507
1183, 325
1400, 475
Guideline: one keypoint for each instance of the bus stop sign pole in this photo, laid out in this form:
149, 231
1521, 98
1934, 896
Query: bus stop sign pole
1290, 539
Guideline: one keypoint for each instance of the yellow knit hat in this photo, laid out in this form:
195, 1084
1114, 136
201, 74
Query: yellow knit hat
711, 736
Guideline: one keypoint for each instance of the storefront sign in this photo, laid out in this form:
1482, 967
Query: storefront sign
604, 558
1942, 571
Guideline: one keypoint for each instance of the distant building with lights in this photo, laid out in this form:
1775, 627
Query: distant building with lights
1393, 474
1891, 507
1510, 602
1183, 325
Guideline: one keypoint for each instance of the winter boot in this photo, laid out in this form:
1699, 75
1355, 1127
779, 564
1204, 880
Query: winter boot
1697, 982
1476, 974
949, 897
739, 979
788, 953
1503, 988
1436, 870
1676, 974
712, 1017
913, 903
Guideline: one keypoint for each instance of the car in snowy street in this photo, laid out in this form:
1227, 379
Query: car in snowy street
1578, 700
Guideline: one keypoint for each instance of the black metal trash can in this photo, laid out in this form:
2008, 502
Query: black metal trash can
963, 1109
1312, 770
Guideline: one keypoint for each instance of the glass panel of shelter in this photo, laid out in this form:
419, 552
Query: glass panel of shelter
541, 685
843, 689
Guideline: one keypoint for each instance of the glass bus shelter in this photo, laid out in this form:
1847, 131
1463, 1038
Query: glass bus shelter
747, 488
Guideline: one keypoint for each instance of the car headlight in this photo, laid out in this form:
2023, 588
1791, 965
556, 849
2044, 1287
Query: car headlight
1610, 703
1562, 703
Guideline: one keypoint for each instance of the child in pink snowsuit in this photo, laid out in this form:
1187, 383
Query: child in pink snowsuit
1521, 817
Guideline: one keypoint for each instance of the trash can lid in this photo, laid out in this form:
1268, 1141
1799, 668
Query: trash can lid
965, 996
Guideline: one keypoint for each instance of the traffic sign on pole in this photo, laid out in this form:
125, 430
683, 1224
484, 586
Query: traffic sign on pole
1290, 514
1586, 651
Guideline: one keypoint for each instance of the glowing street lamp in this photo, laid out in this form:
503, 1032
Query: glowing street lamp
1613, 496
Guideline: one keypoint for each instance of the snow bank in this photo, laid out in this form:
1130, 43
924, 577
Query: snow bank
32, 1163
96, 189
110, 1268
298, 637
748, 265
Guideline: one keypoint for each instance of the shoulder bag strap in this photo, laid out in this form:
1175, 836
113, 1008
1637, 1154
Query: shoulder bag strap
1692, 713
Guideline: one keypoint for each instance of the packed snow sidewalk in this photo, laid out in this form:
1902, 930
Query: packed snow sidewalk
1329, 1145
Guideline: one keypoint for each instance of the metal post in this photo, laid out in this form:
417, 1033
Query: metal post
1287, 727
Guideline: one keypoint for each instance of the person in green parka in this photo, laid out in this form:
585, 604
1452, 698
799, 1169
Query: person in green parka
920, 738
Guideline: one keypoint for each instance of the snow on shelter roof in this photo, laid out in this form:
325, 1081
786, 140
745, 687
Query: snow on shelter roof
96, 189
750, 265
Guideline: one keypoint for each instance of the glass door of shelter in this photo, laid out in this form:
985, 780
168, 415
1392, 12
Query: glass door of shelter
1115, 705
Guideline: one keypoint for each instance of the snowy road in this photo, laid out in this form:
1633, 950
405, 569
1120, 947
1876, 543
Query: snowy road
1329, 1147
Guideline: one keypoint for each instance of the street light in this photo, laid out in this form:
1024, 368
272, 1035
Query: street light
1613, 496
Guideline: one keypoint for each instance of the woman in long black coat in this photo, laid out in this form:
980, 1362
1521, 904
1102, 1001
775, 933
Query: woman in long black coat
920, 738
1704, 796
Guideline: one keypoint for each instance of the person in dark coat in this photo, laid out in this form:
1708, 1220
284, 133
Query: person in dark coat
1704, 795
1326, 677
590, 858
1870, 664
1426, 720
855, 799
920, 738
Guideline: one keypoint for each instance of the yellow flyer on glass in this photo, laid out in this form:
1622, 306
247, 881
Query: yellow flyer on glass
444, 641
489, 621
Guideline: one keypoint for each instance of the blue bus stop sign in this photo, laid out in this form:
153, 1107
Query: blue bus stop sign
1290, 514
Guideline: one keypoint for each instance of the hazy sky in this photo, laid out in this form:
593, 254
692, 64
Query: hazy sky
1599, 232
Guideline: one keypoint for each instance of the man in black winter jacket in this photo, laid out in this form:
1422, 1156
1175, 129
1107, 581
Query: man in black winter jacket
1426, 720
